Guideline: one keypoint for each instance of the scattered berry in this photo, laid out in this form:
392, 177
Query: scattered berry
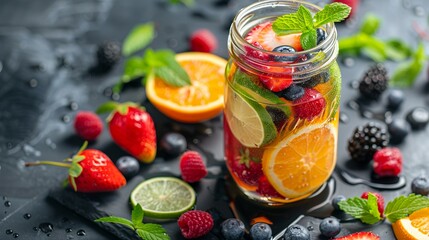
128, 166
336, 200
108, 54
387, 162
266, 189
398, 130
354, 4
268, 39
366, 140
296, 232
310, 105
321, 35
232, 229
395, 99
418, 118
380, 200
360, 236
284, 49
88, 125
330, 227
195, 223
374, 82
203, 40
192, 166
261, 231
420, 185
292, 93
173, 144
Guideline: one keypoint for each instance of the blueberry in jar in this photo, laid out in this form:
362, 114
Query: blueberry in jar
284, 49
321, 35
292, 93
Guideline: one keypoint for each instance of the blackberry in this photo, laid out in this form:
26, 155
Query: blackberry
374, 82
108, 54
366, 140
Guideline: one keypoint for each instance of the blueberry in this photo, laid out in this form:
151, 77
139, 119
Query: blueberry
316, 79
321, 35
292, 93
420, 185
284, 49
278, 116
336, 200
395, 99
128, 166
418, 118
260, 231
232, 229
398, 130
173, 144
330, 227
296, 232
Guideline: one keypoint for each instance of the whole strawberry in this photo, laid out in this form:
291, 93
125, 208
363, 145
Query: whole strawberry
195, 223
192, 167
310, 105
90, 170
131, 128
380, 200
248, 168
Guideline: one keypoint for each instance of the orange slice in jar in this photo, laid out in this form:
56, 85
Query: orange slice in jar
299, 163
200, 101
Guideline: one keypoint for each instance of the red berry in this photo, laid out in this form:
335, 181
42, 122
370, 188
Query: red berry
249, 172
268, 39
203, 40
380, 200
195, 223
310, 105
250, 52
88, 125
360, 236
276, 79
354, 4
387, 162
266, 189
192, 166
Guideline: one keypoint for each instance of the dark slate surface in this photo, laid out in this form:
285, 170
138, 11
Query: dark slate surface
46, 50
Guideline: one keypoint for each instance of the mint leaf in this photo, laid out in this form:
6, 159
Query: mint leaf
309, 39
358, 208
363, 44
187, 3
370, 24
334, 12
152, 232
403, 206
137, 214
141, 36
294, 22
134, 67
406, 73
372, 206
117, 220
398, 50
168, 58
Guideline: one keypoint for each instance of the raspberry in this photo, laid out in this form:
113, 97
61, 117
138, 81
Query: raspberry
203, 40
88, 125
380, 200
192, 167
108, 54
266, 189
195, 223
310, 105
388, 162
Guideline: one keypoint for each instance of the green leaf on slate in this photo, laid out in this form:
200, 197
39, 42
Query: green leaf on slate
403, 206
140, 37
370, 24
406, 73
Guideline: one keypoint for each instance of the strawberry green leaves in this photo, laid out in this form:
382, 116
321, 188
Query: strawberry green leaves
143, 230
302, 21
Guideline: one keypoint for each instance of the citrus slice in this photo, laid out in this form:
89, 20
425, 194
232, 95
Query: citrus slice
413, 227
163, 197
200, 101
249, 121
298, 164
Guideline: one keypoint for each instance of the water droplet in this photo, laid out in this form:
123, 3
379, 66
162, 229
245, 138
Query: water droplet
353, 105
66, 118
208, 131
344, 118
4, 198
50, 144
65, 219
172, 42
48, 234
46, 227
36, 229
1, 66
354, 84
9, 145
81, 232
73, 106
419, 11
27, 216
7, 204
115, 96
310, 228
9, 231
33, 83
367, 114
37, 67
15, 235
195, 141
108, 92
406, 3
69, 230
31, 151
348, 62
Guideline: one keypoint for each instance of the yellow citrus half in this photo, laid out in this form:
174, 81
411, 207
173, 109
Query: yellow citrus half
414, 227
200, 101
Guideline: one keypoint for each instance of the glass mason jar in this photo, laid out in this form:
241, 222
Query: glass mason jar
281, 109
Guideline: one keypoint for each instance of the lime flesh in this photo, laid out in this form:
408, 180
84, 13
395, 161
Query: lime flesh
163, 197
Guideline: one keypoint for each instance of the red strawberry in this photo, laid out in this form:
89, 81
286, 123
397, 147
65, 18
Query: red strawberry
132, 128
88, 125
354, 4
90, 170
266, 189
250, 52
192, 166
195, 223
267, 38
387, 162
360, 236
380, 200
310, 105
277, 78
203, 40
247, 168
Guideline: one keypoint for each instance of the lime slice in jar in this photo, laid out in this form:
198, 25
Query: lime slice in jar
163, 197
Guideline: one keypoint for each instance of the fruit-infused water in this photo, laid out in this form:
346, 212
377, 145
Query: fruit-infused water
281, 106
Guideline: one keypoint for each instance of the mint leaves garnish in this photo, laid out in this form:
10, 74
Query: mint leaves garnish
141, 36
406, 73
144, 230
367, 210
303, 22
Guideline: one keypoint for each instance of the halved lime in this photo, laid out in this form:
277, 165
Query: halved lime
163, 197
249, 121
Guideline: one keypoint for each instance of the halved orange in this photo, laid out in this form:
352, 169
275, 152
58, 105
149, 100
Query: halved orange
299, 163
413, 227
200, 101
